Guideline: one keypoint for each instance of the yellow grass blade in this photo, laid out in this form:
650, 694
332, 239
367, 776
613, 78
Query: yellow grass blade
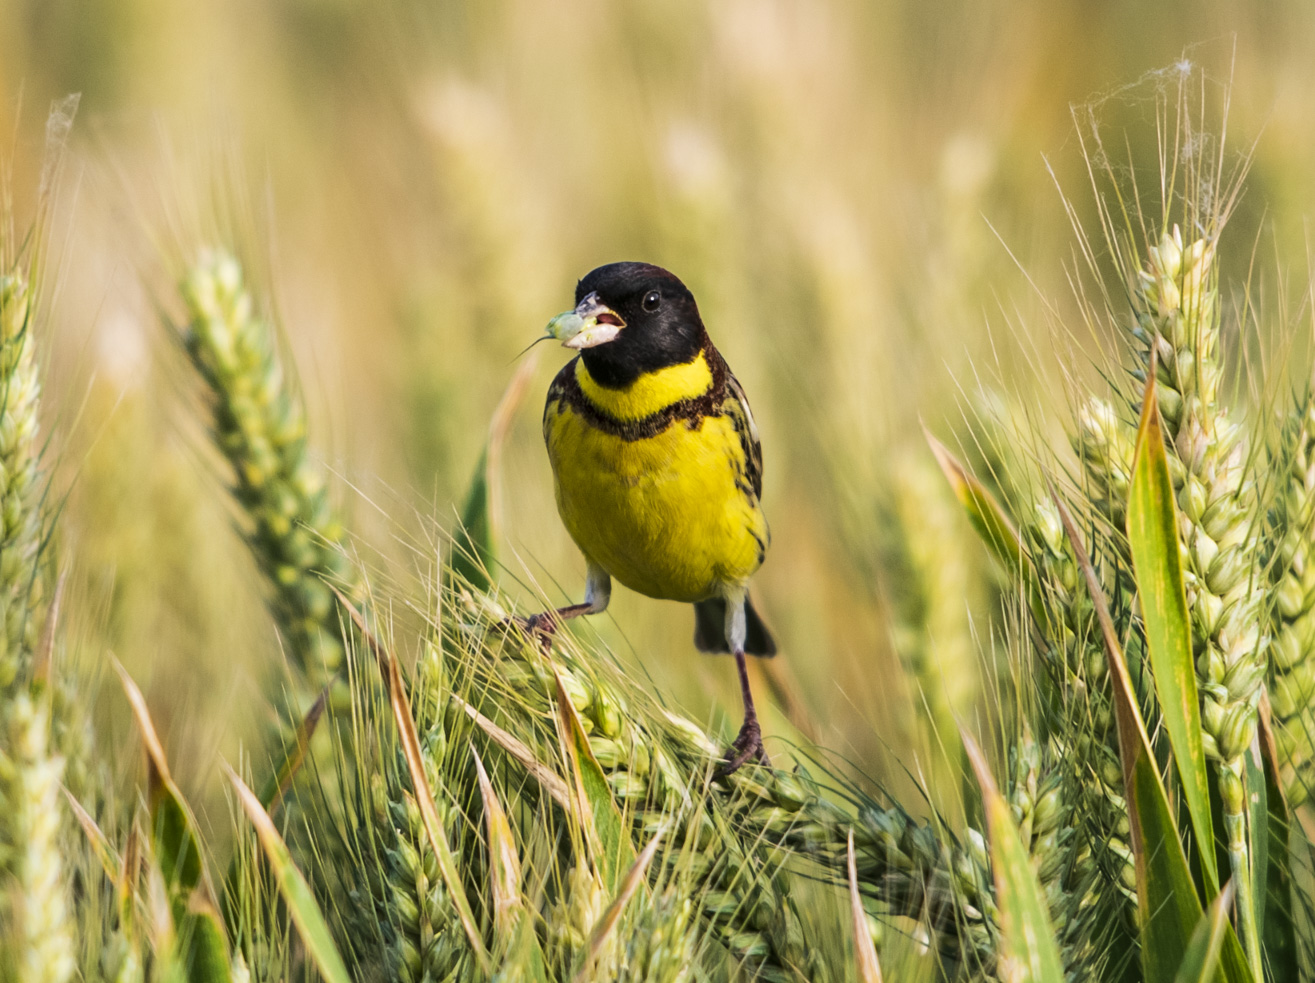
302, 906
504, 862
177, 849
545, 776
865, 953
100, 844
609, 919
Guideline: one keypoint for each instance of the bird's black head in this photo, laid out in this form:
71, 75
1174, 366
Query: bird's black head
659, 322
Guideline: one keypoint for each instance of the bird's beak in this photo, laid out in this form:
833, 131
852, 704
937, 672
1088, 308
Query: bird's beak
591, 323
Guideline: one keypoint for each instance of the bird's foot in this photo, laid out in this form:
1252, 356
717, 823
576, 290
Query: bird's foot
541, 626
749, 744
545, 624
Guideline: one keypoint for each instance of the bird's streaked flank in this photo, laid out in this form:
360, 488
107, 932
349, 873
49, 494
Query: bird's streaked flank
658, 465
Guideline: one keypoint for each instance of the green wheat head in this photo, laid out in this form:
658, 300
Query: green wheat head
259, 425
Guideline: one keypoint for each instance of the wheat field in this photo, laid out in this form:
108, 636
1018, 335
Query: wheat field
270, 271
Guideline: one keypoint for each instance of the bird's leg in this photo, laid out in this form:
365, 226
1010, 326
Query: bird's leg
749, 743
597, 592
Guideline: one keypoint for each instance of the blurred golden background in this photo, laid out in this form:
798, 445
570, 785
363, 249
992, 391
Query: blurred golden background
857, 193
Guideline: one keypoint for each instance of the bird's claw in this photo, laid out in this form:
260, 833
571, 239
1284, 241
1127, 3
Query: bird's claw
748, 744
541, 626
543, 623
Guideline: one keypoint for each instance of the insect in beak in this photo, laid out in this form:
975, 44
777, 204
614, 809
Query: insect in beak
592, 323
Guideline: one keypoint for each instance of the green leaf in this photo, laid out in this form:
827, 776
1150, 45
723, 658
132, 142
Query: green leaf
991, 523
174, 840
1167, 903
173, 834
525, 955
595, 808
204, 946
1029, 938
305, 911
1257, 797
1153, 537
472, 554
1168, 906
1279, 930
1201, 960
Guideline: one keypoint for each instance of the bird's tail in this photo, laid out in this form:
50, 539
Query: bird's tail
710, 629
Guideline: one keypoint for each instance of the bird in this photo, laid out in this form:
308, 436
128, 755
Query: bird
657, 467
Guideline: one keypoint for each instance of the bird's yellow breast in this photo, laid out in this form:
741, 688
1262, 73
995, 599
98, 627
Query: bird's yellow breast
651, 393
666, 513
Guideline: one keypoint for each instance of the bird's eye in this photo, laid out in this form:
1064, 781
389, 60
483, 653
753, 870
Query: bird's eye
652, 300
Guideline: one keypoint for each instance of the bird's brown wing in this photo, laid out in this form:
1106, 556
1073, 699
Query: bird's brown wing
735, 406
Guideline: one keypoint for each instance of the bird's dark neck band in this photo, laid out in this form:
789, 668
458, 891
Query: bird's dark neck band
619, 412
